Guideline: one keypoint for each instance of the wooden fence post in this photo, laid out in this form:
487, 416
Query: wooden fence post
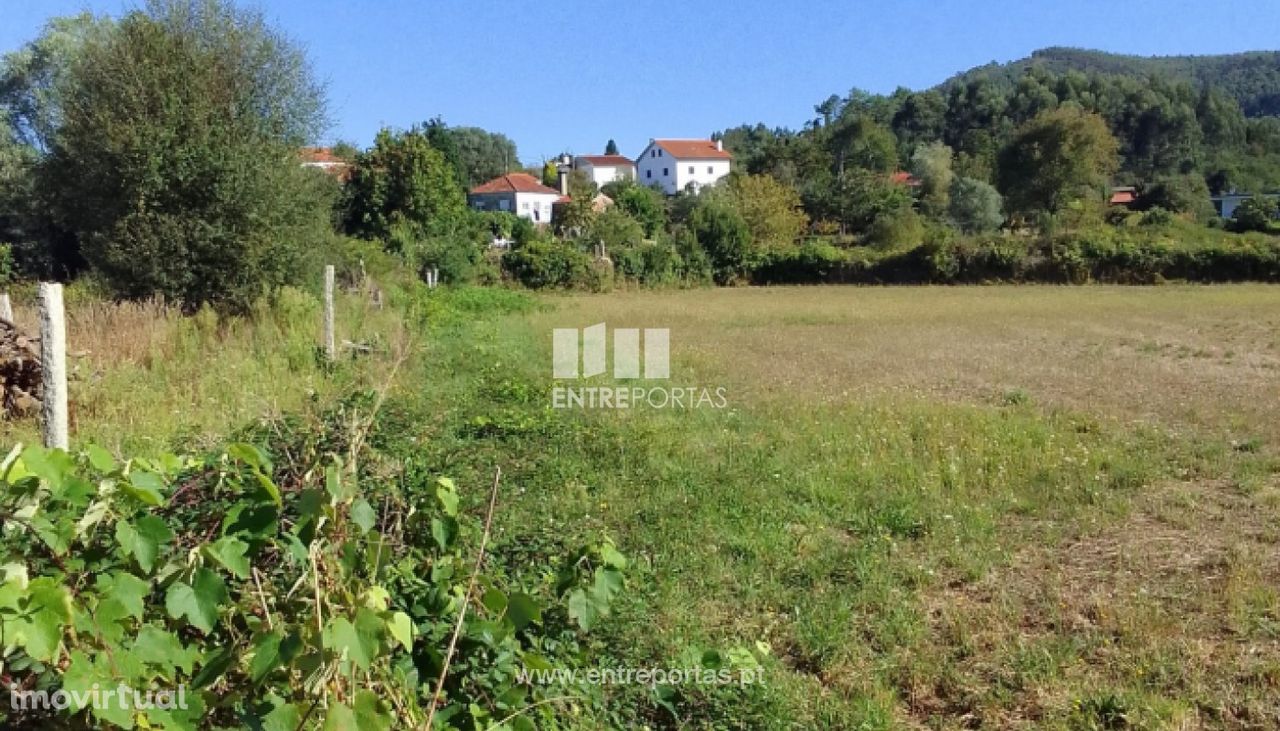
6, 307
53, 366
330, 344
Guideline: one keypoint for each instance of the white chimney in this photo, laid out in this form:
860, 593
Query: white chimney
720, 145
563, 179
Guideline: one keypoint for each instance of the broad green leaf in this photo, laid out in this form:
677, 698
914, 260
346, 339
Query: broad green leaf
145, 487
495, 600
376, 597
249, 454
143, 539
127, 589
607, 585
229, 551
284, 717
93, 516
198, 601
157, 647
582, 610
269, 487
371, 713
523, 609
360, 640
447, 494
266, 656
82, 675
45, 612
340, 718
612, 557
100, 459
363, 515
444, 531
215, 664
401, 628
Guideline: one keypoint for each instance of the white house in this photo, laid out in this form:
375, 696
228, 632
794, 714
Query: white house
1227, 203
601, 169
678, 164
518, 193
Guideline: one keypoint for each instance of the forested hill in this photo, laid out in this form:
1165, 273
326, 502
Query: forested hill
1253, 79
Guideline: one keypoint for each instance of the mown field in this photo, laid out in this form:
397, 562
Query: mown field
1006, 507
954, 508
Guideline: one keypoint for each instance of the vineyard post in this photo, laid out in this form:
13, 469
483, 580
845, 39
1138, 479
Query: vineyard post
53, 366
330, 344
6, 307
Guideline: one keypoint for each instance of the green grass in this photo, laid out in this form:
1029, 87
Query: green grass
935, 507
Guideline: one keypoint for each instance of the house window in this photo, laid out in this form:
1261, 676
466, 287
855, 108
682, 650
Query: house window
691, 170
648, 174
525, 205
653, 153
504, 204
665, 172
711, 170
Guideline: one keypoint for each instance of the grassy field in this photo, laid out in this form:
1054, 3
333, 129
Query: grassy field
1007, 507
942, 508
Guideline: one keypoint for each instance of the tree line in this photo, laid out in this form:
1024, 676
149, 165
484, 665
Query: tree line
158, 154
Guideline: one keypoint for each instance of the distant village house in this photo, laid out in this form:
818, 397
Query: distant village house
675, 165
323, 159
518, 193
603, 169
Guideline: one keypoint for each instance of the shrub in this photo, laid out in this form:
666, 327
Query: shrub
544, 264
896, 230
1255, 214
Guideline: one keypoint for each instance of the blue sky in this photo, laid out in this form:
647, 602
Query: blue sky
570, 74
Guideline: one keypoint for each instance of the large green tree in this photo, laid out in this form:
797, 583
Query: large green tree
402, 180
174, 161
1059, 156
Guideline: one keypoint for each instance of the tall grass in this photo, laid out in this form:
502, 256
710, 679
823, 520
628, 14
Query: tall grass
143, 377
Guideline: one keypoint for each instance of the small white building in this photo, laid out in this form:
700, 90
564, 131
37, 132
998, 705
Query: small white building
601, 169
675, 165
1227, 203
518, 193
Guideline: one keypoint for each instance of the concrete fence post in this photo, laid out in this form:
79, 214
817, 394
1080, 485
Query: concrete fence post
53, 366
330, 342
6, 307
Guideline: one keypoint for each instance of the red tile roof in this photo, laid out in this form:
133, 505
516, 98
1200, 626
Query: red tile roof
693, 149
321, 156
606, 160
904, 178
514, 183
1124, 196
324, 159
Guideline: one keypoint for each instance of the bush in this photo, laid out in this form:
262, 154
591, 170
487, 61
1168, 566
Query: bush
1254, 214
896, 230
544, 264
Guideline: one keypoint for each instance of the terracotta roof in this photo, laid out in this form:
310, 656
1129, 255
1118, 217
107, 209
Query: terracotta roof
514, 183
606, 160
320, 156
1122, 197
693, 149
904, 178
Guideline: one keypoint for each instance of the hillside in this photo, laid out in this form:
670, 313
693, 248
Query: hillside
1252, 78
